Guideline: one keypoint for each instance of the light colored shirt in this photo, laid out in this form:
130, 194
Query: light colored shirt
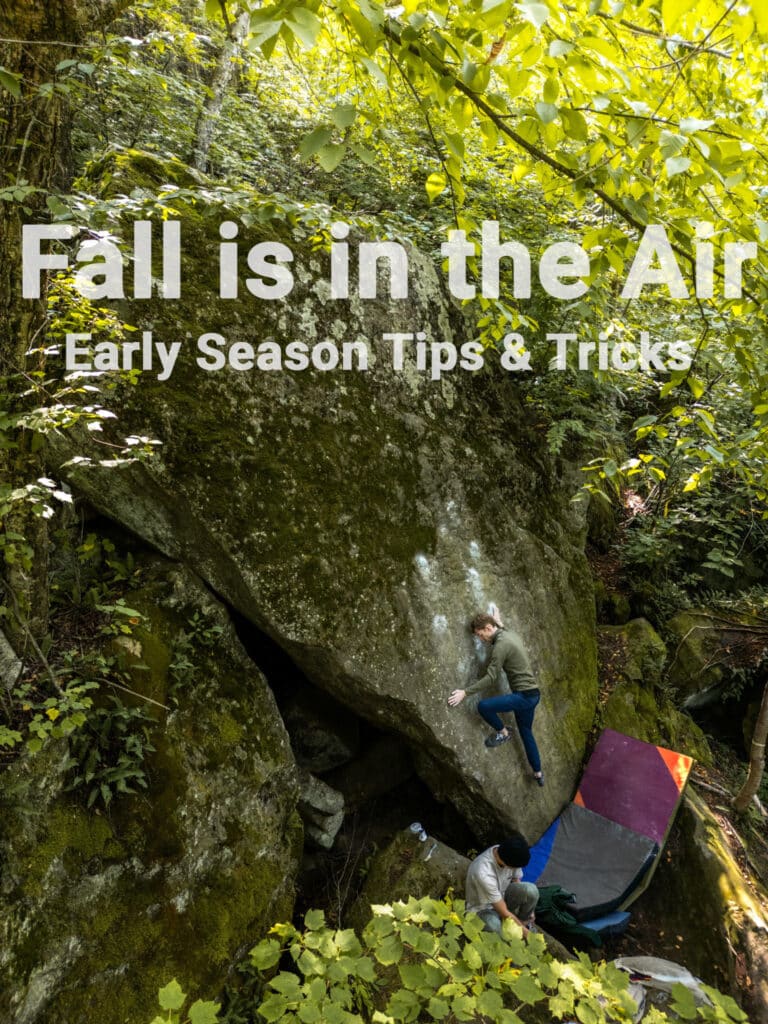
487, 881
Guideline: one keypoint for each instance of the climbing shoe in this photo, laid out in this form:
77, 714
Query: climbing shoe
539, 779
497, 739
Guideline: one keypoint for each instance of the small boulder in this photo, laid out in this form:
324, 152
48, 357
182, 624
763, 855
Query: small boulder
409, 867
694, 668
643, 650
645, 713
322, 810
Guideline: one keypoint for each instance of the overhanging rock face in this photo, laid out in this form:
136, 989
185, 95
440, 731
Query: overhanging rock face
360, 518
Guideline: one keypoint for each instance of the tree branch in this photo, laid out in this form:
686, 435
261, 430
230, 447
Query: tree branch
580, 178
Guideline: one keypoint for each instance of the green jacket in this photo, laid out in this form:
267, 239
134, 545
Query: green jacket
553, 915
508, 654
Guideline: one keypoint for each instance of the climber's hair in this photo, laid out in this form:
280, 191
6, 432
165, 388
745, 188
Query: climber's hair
482, 620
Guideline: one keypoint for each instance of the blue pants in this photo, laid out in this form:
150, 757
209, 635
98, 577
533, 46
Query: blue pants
523, 704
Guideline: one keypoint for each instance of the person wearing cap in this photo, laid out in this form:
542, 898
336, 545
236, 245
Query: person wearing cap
494, 888
507, 655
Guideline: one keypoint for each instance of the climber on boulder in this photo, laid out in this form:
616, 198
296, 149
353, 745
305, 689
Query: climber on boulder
507, 655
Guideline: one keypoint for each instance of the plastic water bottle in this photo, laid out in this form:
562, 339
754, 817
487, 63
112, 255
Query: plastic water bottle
418, 830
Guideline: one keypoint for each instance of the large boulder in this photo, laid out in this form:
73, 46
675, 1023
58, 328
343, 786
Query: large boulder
99, 910
695, 669
358, 518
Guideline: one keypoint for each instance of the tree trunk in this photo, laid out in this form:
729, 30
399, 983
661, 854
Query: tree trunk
34, 157
756, 758
209, 114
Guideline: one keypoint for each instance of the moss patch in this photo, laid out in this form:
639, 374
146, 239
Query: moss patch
645, 713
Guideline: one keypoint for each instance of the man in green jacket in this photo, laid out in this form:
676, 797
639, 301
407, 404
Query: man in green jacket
507, 655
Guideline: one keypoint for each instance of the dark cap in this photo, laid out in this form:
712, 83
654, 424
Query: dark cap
513, 851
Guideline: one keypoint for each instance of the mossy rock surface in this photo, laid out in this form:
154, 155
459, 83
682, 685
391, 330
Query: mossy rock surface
644, 712
408, 867
706, 647
97, 911
694, 642
644, 652
360, 518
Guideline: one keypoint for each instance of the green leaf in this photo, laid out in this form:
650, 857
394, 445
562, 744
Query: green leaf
727, 1003
311, 143
673, 10
310, 963
537, 14
390, 951
692, 483
305, 25
171, 997
547, 112
586, 1013
683, 1002
527, 988
551, 89
331, 156
204, 1013
314, 920
438, 1008
435, 184
348, 942
695, 386
575, 124
676, 165
490, 1003
266, 954
404, 1005
366, 155
414, 976
309, 1013
344, 115
287, 984
11, 82
272, 1008
560, 48
760, 14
